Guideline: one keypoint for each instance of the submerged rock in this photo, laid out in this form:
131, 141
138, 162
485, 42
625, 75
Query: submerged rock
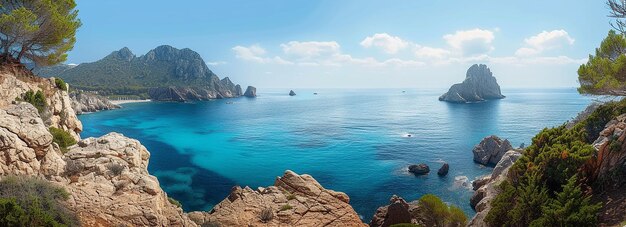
479, 85
291, 93
250, 92
443, 170
419, 169
293, 200
490, 150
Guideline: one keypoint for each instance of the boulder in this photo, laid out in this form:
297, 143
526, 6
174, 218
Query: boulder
250, 92
490, 150
479, 85
419, 169
293, 200
396, 212
291, 93
443, 170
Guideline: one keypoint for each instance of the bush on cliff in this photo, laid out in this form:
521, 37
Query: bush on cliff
550, 176
62, 138
37, 99
60, 84
28, 201
435, 210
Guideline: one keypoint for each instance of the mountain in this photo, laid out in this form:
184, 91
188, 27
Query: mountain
479, 85
164, 73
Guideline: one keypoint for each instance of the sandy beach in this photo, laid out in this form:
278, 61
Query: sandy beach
119, 102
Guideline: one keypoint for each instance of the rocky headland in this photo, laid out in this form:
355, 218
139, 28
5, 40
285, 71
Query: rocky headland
86, 102
479, 85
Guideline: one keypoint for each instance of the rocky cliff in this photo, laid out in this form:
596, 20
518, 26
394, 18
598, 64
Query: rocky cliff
57, 113
490, 150
85, 102
293, 200
479, 85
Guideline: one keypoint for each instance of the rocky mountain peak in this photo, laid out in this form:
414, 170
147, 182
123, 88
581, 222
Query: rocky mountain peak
123, 54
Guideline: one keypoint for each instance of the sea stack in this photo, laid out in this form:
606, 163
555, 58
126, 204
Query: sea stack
250, 92
479, 85
291, 93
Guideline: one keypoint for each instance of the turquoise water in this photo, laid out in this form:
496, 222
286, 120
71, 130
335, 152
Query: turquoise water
350, 141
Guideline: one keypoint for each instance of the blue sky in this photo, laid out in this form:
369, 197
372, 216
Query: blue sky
356, 44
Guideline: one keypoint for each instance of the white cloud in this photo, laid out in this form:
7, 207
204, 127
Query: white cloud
471, 42
311, 49
545, 41
389, 44
430, 53
216, 63
256, 53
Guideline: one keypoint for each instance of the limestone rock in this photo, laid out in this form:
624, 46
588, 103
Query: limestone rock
419, 169
294, 200
396, 212
479, 85
610, 156
109, 183
490, 150
488, 188
443, 170
85, 102
250, 92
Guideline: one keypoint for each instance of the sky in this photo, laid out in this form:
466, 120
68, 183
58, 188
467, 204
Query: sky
356, 43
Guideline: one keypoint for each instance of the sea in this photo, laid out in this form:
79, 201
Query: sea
353, 141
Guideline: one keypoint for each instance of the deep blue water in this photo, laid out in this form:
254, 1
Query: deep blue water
350, 141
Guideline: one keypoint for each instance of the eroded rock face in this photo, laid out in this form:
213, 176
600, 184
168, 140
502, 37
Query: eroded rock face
293, 200
109, 184
26, 146
58, 112
397, 212
490, 150
487, 187
250, 92
83, 102
610, 156
479, 85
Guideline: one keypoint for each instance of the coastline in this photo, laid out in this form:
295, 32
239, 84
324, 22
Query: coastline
119, 102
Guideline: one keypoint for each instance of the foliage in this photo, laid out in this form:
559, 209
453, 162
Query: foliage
605, 73
60, 84
266, 214
544, 187
174, 202
62, 138
441, 214
286, 207
37, 99
115, 168
41, 31
570, 208
39, 202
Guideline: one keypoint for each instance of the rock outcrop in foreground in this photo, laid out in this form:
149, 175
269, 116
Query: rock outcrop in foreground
397, 212
487, 187
107, 177
490, 150
293, 200
479, 85
84, 102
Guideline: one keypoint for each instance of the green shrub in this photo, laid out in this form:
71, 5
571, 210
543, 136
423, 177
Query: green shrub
28, 201
570, 208
440, 214
286, 207
37, 99
60, 84
62, 138
174, 202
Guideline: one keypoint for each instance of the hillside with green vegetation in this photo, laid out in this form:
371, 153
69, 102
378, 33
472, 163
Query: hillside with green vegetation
123, 73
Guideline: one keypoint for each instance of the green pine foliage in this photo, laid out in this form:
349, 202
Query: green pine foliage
60, 84
605, 72
27, 201
62, 138
436, 211
544, 186
37, 99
